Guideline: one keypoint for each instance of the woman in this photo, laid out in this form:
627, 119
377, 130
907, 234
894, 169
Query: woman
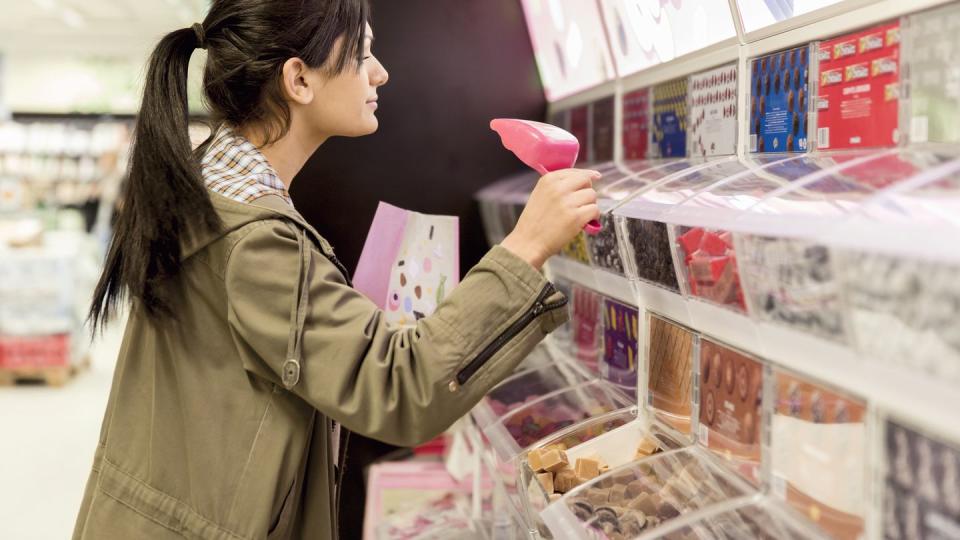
246, 346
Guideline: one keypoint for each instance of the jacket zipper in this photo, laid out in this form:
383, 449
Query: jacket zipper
539, 308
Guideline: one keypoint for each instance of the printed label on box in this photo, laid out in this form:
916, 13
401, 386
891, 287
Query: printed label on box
934, 45
819, 448
922, 495
670, 119
713, 113
580, 128
620, 327
859, 88
602, 136
636, 124
730, 405
778, 102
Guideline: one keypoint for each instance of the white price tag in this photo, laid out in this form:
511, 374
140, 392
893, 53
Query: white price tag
704, 435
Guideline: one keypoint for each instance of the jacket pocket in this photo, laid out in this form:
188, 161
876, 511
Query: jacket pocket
280, 525
539, 307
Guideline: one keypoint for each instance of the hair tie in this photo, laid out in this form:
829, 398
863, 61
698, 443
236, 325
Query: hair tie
200, 34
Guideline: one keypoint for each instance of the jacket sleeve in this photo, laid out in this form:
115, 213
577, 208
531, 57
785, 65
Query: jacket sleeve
401, 386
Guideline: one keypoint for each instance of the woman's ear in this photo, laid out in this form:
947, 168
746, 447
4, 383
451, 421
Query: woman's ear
296, 82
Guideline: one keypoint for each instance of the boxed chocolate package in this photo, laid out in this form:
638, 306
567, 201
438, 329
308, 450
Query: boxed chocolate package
779, 101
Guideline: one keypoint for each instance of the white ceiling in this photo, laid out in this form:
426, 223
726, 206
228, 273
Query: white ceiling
92, 27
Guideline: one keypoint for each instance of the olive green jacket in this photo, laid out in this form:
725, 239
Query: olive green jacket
219, 423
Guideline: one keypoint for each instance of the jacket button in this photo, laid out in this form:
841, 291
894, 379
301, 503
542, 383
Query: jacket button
453, 386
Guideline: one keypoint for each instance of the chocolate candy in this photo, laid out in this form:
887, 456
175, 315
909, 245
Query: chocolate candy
652, 256
604, 248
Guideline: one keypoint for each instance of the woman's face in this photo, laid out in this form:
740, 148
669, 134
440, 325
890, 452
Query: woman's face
346, 104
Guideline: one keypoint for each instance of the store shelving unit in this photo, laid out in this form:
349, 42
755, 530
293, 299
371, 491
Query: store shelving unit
59, 177
809, 261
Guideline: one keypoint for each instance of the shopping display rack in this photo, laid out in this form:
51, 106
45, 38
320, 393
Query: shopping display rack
51, 172
765, 337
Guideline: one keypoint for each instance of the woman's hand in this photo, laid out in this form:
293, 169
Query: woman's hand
560, 206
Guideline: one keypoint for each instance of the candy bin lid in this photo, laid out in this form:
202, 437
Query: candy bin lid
646, 174
641, 496
524, 387
524, 426
699, 174
757, 518
930, 197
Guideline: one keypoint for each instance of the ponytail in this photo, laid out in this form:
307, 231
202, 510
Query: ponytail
164, 196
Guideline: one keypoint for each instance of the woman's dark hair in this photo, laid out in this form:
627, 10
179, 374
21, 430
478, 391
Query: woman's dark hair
165, 200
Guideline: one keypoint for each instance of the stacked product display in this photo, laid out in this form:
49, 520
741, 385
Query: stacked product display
765, 336
54, 177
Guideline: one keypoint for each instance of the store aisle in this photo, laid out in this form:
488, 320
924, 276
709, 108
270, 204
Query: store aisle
47, 444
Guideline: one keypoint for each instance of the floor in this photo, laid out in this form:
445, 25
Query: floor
47, 439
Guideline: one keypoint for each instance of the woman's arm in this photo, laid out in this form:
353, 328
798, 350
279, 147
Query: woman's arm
399, 386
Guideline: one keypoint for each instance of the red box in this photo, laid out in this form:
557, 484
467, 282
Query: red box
858, 95
580, 128
636, 124
18, 352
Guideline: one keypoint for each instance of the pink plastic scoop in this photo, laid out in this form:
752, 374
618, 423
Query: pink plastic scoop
542, 147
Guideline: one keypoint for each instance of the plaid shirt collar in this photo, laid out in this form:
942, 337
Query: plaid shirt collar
233, 167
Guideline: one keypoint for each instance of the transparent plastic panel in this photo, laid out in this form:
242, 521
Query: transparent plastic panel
669, 129
741, 189
648, 252
713, 113
601, 139
817, 185
645, 174
523, 427
522, 388
644, 35
922, 487
697, 176
793, 283
858, 91
779, 101
605, 248
587, 324
637, 498
819, 454
762, 520
569, 45
904, 312
620, 363
935, 202
670, 364
540, 357
577, 250
757, 14
709, 266
580, 128
636, 124
731, 392
930, 50
563, 335
611, 176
